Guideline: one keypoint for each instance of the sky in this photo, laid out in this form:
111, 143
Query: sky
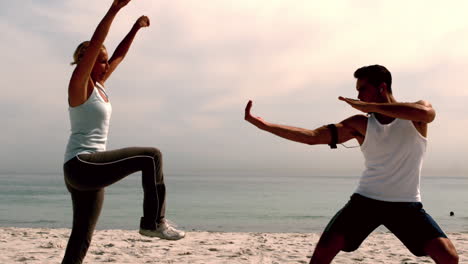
187, 78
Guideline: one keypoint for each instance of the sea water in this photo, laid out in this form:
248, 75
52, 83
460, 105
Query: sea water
240, 202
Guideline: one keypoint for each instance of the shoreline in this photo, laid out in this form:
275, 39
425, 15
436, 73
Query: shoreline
44, 245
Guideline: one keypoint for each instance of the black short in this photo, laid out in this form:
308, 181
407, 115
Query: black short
407, 220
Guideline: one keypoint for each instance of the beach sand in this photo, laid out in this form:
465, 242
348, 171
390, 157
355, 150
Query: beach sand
36, 245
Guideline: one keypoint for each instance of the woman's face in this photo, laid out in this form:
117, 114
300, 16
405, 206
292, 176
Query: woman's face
101, 66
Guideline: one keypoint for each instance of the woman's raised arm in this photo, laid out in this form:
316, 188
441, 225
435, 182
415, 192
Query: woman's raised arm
124, 46
80, 79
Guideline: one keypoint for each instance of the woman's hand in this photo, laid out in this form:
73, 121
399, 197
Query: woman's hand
142, 21
120, 3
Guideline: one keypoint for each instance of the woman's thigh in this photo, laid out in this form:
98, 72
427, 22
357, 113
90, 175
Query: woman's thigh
97, 170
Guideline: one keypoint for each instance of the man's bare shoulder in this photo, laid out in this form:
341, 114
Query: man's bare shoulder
355, 120
356, 126
424, 103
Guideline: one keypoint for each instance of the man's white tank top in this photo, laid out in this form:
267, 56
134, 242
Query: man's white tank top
89, 125
393, 159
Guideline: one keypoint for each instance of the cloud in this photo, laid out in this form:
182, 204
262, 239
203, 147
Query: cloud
272, 48
187, 77
275, 48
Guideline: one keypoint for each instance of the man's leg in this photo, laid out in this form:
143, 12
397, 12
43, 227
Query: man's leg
442, 251
420, 233
347, 229
327, 249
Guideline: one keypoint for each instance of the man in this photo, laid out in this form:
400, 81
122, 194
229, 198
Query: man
393, 140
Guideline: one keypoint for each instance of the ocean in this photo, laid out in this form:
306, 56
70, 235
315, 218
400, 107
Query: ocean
231, 203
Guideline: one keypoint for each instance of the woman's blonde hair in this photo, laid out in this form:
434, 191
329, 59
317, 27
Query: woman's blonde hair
80, 51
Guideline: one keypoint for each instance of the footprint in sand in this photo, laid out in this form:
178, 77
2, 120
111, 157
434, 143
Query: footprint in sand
137, 240
247, 251
98, 252
23, 259
51, 244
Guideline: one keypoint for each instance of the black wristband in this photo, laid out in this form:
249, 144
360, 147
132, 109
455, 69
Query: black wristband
334, 135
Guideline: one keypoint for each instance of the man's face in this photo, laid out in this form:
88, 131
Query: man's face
366, 91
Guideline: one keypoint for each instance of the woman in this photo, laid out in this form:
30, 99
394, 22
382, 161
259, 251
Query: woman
88, 167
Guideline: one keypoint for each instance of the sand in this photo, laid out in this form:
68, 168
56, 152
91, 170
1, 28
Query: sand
36, 245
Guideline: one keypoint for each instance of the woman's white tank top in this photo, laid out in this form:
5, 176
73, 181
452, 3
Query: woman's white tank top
393, 159
89, 125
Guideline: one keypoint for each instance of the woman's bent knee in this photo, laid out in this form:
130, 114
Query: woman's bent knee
155, 153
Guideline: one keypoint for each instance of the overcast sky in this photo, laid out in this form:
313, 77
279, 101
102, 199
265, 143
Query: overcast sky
185, 82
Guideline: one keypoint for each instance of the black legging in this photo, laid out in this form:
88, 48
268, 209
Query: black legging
86, 176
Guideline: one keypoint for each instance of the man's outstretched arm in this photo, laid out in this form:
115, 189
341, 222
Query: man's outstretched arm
420, 111
347, 129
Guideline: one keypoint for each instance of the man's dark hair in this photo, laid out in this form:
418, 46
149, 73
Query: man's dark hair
375, 75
